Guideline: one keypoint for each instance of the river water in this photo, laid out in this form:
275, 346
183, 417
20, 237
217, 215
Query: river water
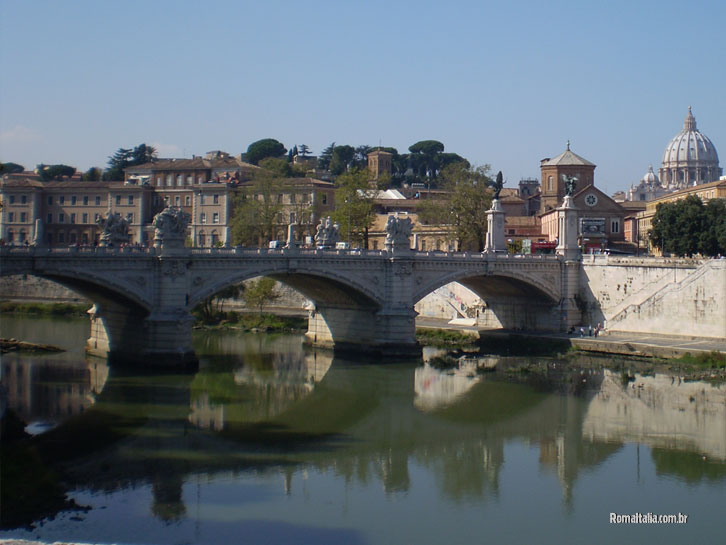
270, 442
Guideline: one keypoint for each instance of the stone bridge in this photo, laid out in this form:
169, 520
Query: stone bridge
362, 299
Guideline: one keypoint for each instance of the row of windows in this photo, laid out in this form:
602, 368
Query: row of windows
22, 217
203, 217
73, 217
74, 200
187, 200
23, 199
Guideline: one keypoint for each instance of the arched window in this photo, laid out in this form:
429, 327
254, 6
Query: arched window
214, 238
202, 238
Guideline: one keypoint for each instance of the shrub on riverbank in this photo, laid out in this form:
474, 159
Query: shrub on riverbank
444, 338
252, 321
45, 309
713, 359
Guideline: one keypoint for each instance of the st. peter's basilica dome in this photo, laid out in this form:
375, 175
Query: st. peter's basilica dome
689, 159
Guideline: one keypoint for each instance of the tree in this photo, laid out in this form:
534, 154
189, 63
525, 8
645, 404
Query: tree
360, 158
464, 208
212, 307
325, 157
142, 154
54, 172
117, 163
342, 159
304, 151
93, 174
11, 168
354, 206
259, 293
256, 208
267, 147
689, 227
426, 158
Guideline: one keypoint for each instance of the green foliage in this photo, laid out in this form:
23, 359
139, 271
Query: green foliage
464, 206
689, 227
44, 309
93, 174
11, 168
325, 157
211, 308
124, 158
267, 147
260, 292
342, 159
425, 158
354, 207
443, 337
281, 168
256, 208
54, 172
304, 151
713, 359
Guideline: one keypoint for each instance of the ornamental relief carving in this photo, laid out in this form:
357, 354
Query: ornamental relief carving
174, 269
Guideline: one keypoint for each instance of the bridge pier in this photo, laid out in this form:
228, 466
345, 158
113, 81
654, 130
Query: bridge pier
363, 331
129, 337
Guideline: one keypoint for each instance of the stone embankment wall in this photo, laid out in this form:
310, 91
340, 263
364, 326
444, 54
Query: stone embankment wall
684, 297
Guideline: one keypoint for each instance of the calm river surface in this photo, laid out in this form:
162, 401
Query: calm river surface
274, 443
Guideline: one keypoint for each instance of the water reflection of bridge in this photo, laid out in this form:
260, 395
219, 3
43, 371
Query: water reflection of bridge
363, 423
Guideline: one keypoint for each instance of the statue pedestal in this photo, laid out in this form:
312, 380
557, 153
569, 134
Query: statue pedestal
567, 222
495, 229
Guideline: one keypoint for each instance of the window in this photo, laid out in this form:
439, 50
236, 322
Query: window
200, 179
22, 217
177, 200
190, 180
292, 217
215, 217
187, 201
201, 199
85, 217
159, 183
61, 218
11, 199
615, 226
23, 199
131, 200
73, 200
325, 198
169, 180
61, 237
72, 238
118, 199
279, 199
292, 198
50, 218
98, 201
50, 200
73, 218
96, 217
179, 180
549, 183
304, 198
423, 245
203, 217
61, 200
216, 199
85, 200
130, 217
11, 217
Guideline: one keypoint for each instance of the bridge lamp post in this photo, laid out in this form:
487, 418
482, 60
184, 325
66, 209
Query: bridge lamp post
348, 205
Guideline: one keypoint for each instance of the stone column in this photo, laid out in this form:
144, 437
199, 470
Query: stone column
496, 242
567, 230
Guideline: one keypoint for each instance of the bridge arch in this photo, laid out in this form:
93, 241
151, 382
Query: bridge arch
512, 300
322, 287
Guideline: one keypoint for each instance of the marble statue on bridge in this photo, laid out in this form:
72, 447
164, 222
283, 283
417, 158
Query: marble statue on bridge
115, 230
171, 227
398, 233
327, 234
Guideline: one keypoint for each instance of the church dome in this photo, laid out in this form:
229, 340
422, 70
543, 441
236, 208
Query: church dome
690, 158
650, 177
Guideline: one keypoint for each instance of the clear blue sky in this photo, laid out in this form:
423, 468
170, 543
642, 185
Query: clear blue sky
505, 83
